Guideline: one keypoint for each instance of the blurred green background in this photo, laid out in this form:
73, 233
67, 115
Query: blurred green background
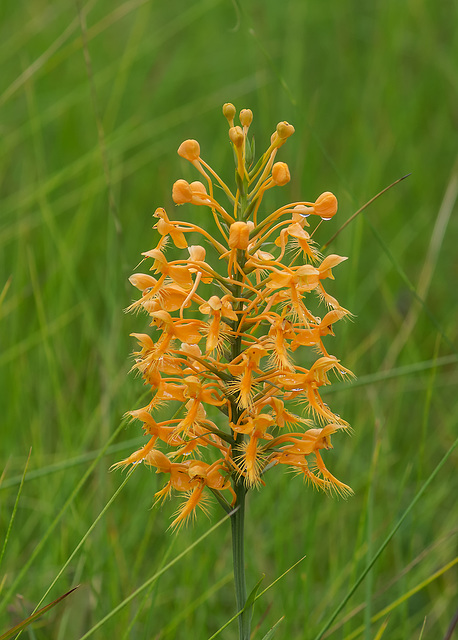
95, 98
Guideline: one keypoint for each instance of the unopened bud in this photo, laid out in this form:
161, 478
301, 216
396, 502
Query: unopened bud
246, 117
198, 187
181, 192
236, 136
196, 253
239, 235
326, 205
189, 150
284, 130
229, 112
280, 173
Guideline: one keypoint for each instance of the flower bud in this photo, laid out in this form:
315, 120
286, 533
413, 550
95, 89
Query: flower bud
196, 253
189, 150
181, 192
229, 113
280, 173
198, 187
246, 117
236, 136
284, 130
239, 235
326, 205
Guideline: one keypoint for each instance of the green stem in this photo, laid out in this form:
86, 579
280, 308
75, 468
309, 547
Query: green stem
238, 557
238, 516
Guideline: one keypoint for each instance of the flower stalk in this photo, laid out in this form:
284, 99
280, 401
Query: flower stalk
225, 331
238, 559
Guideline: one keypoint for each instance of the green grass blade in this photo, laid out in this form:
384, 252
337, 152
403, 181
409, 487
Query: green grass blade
16, 503
153, 578
387, 540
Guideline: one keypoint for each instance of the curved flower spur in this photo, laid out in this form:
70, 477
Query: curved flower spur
227, 317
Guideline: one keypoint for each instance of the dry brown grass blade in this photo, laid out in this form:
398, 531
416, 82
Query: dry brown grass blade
25, 623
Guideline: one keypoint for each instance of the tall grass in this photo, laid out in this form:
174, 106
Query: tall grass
95, 98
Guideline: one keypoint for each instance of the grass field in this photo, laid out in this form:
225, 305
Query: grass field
95, 98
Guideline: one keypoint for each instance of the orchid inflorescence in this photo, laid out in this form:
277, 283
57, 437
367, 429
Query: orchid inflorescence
226, 326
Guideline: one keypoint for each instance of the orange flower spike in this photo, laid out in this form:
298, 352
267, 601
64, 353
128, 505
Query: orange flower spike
260, 312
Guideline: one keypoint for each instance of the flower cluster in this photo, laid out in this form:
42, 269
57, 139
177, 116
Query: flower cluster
227, 317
